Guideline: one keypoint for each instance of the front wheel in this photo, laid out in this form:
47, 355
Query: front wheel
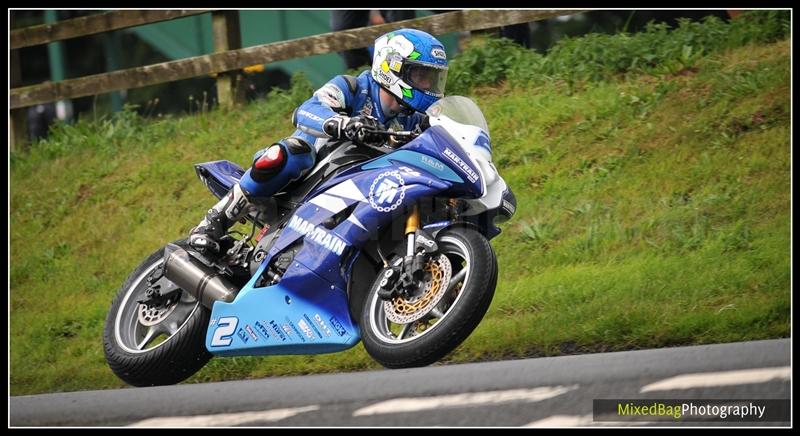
155, 345
460, 282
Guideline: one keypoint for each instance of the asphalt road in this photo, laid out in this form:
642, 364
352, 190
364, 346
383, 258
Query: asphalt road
549, 392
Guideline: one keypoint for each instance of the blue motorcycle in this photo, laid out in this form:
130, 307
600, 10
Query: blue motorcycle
385, 244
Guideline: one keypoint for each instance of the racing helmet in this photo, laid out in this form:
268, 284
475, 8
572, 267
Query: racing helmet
412, 66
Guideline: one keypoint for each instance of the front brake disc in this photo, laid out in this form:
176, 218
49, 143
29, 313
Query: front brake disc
403, 310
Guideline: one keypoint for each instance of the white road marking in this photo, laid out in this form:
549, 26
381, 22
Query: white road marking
400, 405
578, 421
562, 421
723, 378
224, 419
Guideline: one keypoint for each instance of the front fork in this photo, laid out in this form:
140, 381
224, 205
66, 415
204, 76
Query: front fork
414, 261
405, 277
412, 224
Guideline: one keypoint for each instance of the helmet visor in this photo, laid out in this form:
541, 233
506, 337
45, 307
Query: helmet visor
425, 77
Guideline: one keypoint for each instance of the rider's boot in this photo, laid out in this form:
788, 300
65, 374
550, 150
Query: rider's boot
273, 168
233, 206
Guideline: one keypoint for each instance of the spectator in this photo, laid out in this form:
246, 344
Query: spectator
39, 119
519, 33
351, 19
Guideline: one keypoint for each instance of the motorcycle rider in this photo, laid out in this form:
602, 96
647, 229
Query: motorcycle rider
408, 74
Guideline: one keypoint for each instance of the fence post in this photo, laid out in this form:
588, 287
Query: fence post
19, 117
227, 36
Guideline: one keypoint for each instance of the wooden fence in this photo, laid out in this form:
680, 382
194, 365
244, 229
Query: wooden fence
227, 56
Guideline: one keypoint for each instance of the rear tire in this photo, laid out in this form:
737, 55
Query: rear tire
461, 309
131, 336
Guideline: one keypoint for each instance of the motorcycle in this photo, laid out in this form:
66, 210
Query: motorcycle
386, 244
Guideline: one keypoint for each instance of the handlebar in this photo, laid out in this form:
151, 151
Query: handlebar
399, 133
378, 131
396, 137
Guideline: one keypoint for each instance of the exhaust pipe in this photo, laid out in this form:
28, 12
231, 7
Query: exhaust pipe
203, 282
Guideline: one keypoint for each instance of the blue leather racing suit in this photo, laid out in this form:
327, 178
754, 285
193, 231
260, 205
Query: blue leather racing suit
346, 95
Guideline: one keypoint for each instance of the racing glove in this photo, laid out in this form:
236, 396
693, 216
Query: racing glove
361, 129
358, 128
335, 126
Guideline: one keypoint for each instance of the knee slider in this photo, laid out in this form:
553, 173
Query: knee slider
269, 163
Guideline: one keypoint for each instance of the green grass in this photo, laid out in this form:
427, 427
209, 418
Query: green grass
654, 211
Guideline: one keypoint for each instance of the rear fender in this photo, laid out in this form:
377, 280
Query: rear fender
219, 176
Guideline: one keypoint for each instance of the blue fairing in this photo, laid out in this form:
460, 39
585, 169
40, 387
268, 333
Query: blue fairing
307, 312
435, 155
302, 314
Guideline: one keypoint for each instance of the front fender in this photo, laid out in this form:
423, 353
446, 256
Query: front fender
438, 227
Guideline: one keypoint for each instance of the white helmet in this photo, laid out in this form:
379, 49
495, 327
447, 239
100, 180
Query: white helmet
411, 65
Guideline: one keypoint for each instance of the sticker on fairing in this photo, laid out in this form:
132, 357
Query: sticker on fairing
321, 323
471, 174
223, 334
317, 234
387, 191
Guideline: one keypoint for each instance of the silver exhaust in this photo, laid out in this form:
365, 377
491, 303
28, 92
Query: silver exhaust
201, 281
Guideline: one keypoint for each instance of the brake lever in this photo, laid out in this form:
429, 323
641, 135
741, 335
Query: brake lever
406, 134
401, 138
391, 135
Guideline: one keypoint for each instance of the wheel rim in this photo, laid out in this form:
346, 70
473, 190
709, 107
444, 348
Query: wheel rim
138, 329
396, 333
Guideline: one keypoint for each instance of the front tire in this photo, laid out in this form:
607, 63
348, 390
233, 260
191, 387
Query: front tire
471, 282
154, 346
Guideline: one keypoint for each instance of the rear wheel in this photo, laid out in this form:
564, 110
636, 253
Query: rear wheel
459, 285
156, 345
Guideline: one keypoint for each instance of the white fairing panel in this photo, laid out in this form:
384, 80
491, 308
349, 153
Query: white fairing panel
493, 185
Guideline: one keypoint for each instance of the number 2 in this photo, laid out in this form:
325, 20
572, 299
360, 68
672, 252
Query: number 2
225, 328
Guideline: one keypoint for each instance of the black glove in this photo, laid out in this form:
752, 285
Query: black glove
361, 129
358, 128
335, 125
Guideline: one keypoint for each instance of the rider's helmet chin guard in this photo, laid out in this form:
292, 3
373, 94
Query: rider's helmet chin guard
412, 66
